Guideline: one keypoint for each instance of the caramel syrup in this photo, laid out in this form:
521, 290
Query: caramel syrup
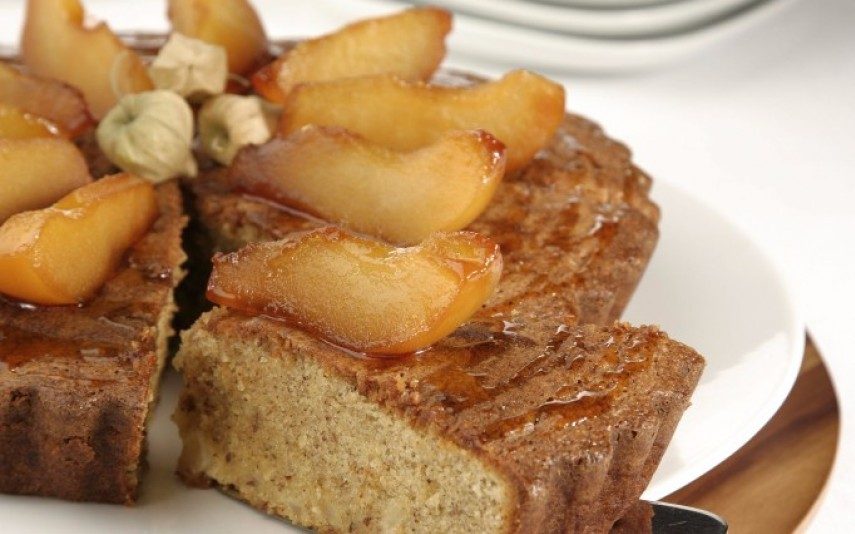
111, 325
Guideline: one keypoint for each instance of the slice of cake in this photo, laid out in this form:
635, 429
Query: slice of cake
77, 383
515, 423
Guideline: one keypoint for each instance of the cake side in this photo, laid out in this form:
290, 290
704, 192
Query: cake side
581, 207
77, 383
575, 425
269, 423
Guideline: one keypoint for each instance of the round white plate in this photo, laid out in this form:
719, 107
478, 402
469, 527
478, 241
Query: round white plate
648, 21
511, 46
607, 4
708, 286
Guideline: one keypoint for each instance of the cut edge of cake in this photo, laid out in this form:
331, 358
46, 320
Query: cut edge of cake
271, 416
74, 419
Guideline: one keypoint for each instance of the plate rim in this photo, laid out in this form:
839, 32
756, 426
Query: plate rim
670, 19
796, 336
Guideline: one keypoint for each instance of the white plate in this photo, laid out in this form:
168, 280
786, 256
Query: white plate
646, 21
511, 46
712, 288
607, 4
708, 285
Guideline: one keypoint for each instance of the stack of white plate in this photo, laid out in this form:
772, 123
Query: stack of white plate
597, 35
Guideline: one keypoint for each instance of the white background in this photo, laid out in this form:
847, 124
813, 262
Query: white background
761, 126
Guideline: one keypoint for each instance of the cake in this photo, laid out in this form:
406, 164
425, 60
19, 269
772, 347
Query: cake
77, 384
538, 415
535, 428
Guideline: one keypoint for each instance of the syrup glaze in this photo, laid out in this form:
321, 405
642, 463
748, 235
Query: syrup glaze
576, 229
116, 325
560, 382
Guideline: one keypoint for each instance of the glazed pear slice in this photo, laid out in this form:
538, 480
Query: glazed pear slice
402, 197
359, 293
65, 253
57, 43
522, 109
409, 44
61, 105
18, 124
34, 173
231, 24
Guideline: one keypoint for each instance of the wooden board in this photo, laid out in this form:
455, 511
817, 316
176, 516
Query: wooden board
773, 483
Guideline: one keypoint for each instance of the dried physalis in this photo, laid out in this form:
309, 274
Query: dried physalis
63, 254
190, 67
228, 123
149, 134
402, 197
360, 293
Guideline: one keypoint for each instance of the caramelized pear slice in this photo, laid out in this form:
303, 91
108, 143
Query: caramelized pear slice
232, 24
63, 254
409, 44
17, 124
61, 105
523, 110
36, 172
57, 44
360, 293
402, 197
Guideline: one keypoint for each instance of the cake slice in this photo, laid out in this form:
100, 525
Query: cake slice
77, 383
515, 423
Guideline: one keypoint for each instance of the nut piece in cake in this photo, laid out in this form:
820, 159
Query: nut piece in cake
522, 109
191, 67
150, 134
58, 44
402, 197
228, 123
409, 44
63, 254
34, 173
232, 24
49, 100
360, 293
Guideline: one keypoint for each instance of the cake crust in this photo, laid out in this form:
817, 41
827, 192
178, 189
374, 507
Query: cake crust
77, 383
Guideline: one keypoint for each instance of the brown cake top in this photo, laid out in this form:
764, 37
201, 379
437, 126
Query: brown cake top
117, 325
528, 382
581, 207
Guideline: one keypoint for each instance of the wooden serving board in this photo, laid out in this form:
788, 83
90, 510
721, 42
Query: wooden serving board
773, 483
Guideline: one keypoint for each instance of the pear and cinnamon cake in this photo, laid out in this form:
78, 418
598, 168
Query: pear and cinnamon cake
418, 278
533, 416
519, 421
78, 382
